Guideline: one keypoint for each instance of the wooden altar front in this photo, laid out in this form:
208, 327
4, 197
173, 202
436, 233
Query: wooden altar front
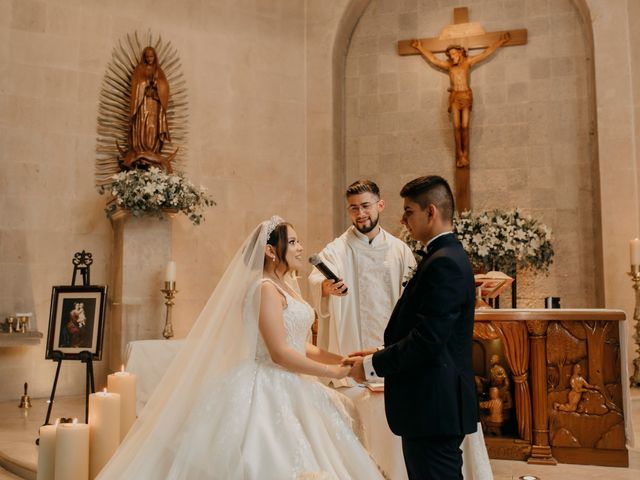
565, 372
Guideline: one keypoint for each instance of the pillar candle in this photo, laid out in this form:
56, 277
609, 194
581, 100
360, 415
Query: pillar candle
47, 452
634, 247
72, 451
170, 274
124, 384
104, 423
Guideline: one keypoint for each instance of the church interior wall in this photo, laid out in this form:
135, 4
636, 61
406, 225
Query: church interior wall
267, 135
617, 87
531, 130
244, 65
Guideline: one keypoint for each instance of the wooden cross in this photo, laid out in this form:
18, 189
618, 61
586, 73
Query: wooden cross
469, 35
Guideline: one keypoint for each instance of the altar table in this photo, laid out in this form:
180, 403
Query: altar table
149, 359
544, 350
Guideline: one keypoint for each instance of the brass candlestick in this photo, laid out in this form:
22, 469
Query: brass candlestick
10, 322
23, 321
169, 291
635, 278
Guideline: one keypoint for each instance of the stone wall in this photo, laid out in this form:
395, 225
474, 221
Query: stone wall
532, 125
266, 82
244, 64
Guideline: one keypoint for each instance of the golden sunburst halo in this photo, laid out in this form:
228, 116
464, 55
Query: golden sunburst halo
115, 95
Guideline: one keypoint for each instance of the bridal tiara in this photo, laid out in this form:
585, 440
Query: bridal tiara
273, 223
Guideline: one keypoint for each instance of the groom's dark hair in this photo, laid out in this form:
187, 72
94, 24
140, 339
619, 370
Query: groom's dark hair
431, 189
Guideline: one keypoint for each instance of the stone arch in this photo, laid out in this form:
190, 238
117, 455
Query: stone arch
351, 20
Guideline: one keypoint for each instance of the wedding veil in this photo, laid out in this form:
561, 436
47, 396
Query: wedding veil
218, 358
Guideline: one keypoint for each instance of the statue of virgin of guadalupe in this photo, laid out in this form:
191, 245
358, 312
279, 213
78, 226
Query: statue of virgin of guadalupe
149, 129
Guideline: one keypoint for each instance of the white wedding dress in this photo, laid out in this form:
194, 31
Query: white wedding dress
298, 427
226, 411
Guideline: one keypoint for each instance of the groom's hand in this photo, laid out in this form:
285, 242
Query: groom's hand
357, 368
363, 353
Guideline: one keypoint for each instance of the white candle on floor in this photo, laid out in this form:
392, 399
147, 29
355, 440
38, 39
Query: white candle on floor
72, 451
124, 384
47, 452
104, 420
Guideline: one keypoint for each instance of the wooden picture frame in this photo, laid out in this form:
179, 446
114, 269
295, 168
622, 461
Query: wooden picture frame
76, 322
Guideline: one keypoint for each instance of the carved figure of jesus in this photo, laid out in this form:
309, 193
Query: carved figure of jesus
458, 66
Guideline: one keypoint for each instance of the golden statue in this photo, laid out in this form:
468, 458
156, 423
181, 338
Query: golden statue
148, 128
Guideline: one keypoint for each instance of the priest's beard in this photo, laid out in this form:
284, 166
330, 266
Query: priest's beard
366, 228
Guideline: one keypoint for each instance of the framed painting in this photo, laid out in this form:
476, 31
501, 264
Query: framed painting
76, 321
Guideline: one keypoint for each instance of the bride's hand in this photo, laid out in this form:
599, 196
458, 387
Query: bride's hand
338, 371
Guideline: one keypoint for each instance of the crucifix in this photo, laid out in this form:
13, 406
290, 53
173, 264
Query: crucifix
454, 41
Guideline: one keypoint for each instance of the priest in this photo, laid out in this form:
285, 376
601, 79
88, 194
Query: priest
372, 265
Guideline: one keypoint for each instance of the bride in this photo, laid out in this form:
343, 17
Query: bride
240, 400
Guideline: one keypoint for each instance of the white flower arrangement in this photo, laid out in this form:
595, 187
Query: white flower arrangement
153, 191
501, 240
505, 241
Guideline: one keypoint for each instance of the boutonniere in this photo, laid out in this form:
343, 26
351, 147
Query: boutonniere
409, 275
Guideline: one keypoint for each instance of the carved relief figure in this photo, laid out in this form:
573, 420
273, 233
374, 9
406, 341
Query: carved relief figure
578, 385
458, 66
499, 379
149, 129
493, 421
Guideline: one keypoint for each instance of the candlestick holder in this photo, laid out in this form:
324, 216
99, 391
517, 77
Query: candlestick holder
635, 278
23, 322
10, 323
169, 291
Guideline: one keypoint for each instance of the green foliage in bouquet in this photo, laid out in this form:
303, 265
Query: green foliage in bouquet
501, 240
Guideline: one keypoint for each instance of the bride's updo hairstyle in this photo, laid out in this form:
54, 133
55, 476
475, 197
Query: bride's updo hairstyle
279, 239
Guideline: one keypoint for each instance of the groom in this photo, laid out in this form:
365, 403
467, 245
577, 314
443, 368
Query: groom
430, 398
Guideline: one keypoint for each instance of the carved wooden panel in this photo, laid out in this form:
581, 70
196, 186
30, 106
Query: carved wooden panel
584, 392
566, 364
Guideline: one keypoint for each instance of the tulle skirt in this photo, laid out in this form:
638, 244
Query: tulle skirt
259, 422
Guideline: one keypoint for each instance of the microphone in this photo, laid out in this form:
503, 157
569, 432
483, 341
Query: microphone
317, 262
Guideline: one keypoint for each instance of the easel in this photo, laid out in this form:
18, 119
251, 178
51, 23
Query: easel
81, 264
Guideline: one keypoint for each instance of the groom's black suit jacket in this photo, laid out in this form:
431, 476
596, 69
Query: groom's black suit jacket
429, 381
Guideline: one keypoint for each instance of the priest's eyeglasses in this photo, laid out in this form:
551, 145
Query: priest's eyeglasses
365, 207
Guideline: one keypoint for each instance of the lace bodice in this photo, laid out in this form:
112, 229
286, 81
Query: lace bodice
298, 317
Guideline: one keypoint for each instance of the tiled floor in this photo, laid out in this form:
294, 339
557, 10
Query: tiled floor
507, 470
18, 432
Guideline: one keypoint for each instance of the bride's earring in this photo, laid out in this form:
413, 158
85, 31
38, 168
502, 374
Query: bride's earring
273, 259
